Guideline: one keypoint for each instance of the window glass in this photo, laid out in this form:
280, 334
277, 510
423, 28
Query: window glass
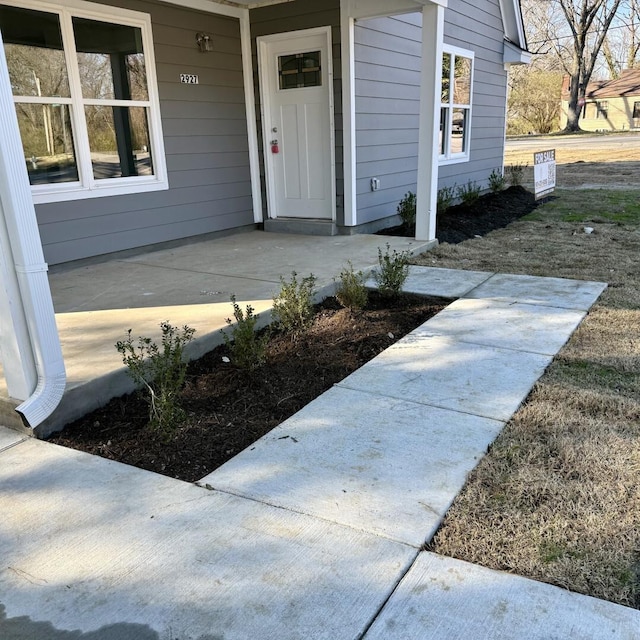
446, 77
462, 81
119, 141
636, 109
458, 130
47, 141
300, 70
110, 60
35, 56
455, 110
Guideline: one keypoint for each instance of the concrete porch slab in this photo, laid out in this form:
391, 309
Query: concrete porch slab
381, 465
551, 292
435, 281
97, 549
446, 373
508, 325
446, 598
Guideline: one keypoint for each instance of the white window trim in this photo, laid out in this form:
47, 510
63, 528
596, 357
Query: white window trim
456, 158
88, 187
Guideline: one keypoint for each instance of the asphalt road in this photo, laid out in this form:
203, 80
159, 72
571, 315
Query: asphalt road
555, 142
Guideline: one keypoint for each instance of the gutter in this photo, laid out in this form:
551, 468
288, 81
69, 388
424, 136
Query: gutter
34, 325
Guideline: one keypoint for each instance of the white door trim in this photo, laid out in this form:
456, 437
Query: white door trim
262, 43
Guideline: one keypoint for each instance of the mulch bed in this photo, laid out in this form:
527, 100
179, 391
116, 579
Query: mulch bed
492, 211
228, 409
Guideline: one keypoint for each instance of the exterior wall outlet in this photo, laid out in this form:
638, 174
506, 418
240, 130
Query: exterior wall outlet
375, 184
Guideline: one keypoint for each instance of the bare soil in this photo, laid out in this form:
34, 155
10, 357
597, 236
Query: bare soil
229, 408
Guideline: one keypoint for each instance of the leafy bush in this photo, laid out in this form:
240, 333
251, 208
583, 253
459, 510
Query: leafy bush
351, 292
516, 172
293, 306
445, 199
160, 371
469, 193
497, 181
248, 349
407, 208
393, 271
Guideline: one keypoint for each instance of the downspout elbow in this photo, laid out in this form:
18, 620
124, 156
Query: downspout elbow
46, 397
47, 352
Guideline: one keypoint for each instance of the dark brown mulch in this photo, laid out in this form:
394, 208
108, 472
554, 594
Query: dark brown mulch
492, 211
228, 409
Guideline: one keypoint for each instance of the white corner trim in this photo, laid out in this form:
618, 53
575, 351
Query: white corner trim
349, 117
250, 110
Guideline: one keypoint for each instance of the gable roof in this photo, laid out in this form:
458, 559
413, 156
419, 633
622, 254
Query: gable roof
628, 84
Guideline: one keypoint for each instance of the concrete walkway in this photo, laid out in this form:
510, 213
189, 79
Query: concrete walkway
316, 530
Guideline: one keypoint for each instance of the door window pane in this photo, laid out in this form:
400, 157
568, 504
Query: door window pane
118, 141
300, 70
47, 142
111, 60
35, 57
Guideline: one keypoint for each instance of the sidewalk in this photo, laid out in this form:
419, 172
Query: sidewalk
315, 531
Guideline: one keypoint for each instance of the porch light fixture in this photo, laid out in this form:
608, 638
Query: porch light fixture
204, 42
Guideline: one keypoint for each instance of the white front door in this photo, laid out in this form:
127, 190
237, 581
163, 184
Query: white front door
297, 96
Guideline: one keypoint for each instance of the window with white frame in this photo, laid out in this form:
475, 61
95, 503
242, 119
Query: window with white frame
84, 89
455, 107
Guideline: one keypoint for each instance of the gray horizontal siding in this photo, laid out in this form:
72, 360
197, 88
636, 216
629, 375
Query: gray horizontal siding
206, 149
388, 59
387, 71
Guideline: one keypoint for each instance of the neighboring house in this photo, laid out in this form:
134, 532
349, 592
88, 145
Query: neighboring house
610, 105
143, 122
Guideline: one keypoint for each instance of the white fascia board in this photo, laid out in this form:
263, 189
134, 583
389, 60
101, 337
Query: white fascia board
208, 6
361, 9
515, 55
512, 22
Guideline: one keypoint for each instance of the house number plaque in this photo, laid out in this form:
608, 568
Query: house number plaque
188, 78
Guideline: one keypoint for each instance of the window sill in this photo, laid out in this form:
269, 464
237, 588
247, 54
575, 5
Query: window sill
82, 193
442, 161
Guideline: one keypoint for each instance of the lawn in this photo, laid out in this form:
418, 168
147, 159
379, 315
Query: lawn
557, 498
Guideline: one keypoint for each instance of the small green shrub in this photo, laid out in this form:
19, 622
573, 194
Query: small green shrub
516, 172
248, 349
469, 193
407, 208
445, 199
393, 271
497, 181
351, 292
160, 371
293, 306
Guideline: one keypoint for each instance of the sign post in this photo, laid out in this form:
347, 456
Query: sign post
544, 172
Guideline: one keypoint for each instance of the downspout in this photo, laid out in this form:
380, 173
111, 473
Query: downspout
27, 263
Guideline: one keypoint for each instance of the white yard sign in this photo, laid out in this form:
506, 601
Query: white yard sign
544, 172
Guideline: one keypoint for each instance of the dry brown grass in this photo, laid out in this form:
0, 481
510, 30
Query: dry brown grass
615, 163
558, 496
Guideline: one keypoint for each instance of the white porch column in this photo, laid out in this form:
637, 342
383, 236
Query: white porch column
431, 80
